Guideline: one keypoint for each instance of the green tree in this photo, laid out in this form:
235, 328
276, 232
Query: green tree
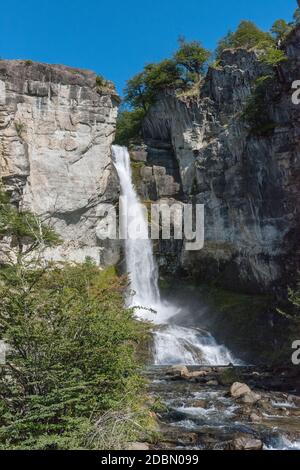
141, 90
136, 92
280, 30
162, 76
247, 35
129, 126
192, 56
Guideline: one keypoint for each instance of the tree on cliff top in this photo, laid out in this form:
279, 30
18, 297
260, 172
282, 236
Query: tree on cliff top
247, 35
281, 29
192, 56
142, 88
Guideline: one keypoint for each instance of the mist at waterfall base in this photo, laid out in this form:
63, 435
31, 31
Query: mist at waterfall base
173, 343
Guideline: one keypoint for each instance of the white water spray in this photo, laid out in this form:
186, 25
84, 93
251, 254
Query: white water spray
173, 344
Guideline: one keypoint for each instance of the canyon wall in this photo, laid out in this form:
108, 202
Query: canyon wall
56, 128
248, 179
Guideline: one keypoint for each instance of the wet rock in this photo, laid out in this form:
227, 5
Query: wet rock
266, 405
250, 398
212, 383
238, 390
197, 374
182, 372
179, 370
246, 442
255, 418
179, 438
200, 404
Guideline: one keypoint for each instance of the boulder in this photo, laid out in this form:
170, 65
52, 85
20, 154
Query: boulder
251, 398
246, 442
178, 370
238, 390
197, 374
183, 372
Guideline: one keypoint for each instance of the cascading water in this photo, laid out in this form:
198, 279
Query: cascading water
173, 344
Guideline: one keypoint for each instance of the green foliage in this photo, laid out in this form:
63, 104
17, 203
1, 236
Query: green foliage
71, 357
255, 111
247, 35
180, 72
20, 127
129, 126
24, 228
72, 354
294, 299
104, 85
272, 56
136, 171
136, 93
140, 93
100, 81
280, 30
141, 90
191, 56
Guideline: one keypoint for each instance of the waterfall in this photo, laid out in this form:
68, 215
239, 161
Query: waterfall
173, 344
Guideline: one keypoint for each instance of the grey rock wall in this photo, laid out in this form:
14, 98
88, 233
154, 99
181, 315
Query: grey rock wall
248, 181
56, 130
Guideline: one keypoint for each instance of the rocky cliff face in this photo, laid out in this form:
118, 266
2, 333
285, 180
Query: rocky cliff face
56, 130
248, 179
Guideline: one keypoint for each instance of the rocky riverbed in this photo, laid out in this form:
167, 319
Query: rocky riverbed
225, 408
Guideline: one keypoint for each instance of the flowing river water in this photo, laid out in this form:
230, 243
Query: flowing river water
198, 408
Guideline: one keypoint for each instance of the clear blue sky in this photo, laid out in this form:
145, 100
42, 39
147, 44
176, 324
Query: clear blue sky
116, 38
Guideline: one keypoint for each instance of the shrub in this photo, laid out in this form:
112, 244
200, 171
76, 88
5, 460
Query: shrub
255, 111
72, 347
129, 126
247, 35
20, 128
71, 357
272, 56
104, 85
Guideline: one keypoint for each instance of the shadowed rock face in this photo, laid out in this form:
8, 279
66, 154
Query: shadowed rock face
56, 130
248, 181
